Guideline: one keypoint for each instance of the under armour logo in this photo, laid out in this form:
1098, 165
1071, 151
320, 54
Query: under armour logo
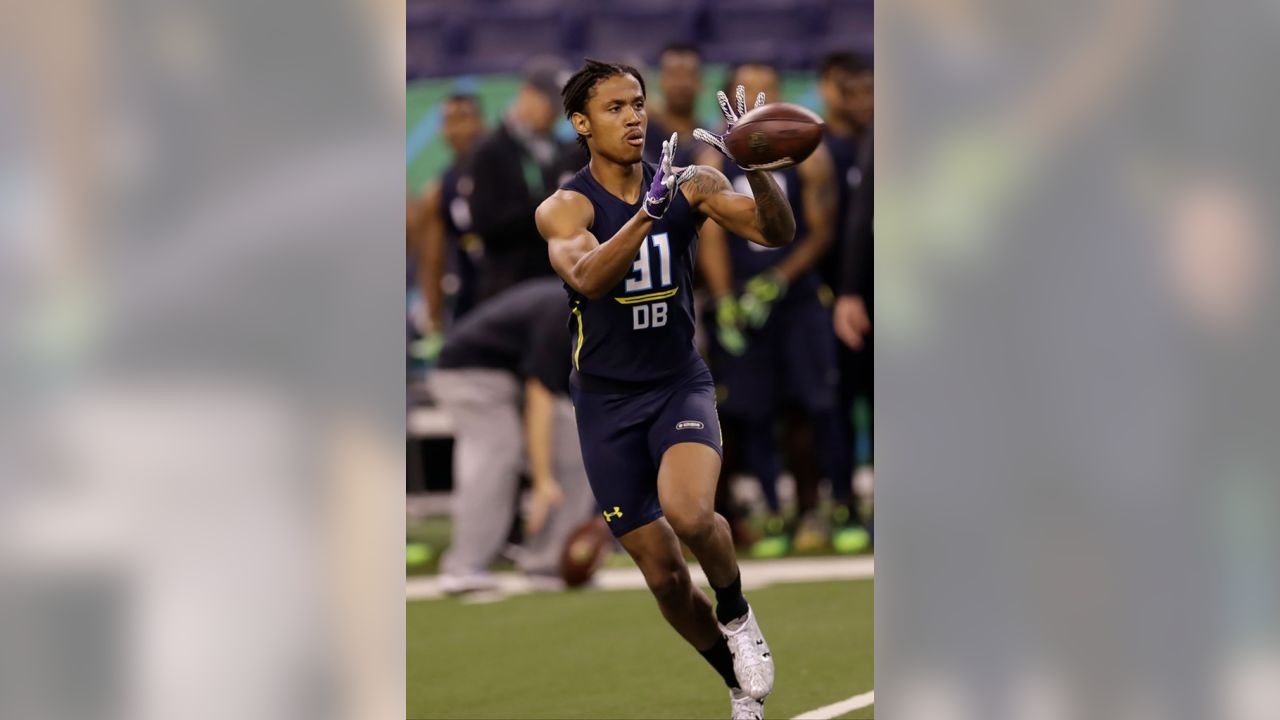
609, 516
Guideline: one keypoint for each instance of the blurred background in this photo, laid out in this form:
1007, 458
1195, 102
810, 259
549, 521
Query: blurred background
486, 141
480, 47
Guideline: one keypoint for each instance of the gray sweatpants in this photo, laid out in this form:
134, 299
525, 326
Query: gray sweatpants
488, 455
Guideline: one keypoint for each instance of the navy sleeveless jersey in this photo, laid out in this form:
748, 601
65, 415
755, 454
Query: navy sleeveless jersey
642, 330
749, 259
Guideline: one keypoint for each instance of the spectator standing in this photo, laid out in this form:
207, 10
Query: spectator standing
680, 79
443, 238
515, 169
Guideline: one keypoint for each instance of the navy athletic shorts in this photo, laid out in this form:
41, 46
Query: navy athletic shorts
625, 428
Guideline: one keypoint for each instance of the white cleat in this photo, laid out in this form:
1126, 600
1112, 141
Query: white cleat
752, 662
467, 583
745, 707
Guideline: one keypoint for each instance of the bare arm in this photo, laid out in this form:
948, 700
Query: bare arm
430, 248
539, 419
587, 265
819, 207
765, 220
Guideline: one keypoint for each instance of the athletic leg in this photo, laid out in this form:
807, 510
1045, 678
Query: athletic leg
656, 551
687, 489
622, 467
687, 481
685, 441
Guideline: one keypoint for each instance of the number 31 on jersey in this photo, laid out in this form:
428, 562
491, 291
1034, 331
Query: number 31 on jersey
641, 280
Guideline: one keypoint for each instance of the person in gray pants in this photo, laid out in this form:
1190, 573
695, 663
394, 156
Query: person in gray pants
513, 346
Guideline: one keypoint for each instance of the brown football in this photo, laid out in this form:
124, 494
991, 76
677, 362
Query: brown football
773, 132
585, 551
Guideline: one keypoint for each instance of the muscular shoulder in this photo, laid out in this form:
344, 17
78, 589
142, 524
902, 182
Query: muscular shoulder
566, 203
564, 213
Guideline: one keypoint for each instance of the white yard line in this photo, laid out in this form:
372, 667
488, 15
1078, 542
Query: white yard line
755, 574
837, 709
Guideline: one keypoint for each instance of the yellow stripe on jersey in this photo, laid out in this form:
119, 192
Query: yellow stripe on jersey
715, 407
578, 348
660, 295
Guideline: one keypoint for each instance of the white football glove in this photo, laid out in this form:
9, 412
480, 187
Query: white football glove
731, 118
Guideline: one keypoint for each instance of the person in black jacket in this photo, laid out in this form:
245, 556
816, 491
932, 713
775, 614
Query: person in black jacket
516, 168
854, 308
857, 290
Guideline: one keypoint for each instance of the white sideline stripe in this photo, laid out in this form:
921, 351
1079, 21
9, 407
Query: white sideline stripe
755, 574
826, 712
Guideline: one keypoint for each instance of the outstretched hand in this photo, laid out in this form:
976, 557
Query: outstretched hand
731, 118
665, 182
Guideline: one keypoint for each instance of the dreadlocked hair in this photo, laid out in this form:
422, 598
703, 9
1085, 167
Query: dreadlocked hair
577, 91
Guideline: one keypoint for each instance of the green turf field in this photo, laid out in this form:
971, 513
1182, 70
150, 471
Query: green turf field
602, 654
